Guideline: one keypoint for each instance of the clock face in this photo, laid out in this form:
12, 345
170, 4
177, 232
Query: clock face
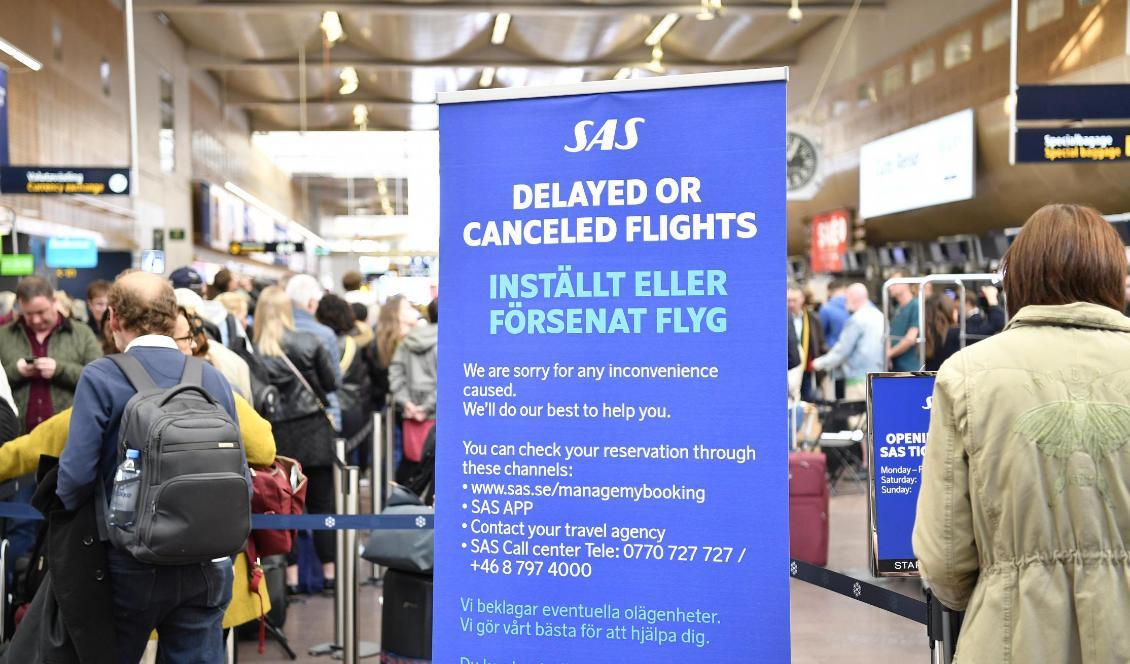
800, 156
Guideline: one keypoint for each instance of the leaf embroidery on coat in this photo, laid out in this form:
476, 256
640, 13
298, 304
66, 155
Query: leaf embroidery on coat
1062, 428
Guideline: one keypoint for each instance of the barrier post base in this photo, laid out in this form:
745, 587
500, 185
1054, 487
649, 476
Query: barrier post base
365, 650
323, 649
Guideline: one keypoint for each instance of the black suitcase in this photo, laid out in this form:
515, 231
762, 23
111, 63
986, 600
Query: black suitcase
406, 617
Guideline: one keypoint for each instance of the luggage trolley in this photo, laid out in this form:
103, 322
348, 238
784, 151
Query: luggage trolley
957, 279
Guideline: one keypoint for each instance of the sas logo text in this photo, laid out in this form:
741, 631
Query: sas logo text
607, 137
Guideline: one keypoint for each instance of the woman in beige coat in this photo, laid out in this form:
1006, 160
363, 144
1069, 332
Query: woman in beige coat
1024, 511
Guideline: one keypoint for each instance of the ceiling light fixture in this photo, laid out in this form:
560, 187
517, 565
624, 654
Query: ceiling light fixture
710, 10
795, 14
625, 72
487, 79
349, 81
331, 27
20, 55
361, 116
311, 237
501, 26
656, 64
661, 29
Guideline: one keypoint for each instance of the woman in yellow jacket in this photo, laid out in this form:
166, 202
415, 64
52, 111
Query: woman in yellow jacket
21, 456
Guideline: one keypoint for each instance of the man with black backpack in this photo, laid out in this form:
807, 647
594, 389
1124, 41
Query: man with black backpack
166, 425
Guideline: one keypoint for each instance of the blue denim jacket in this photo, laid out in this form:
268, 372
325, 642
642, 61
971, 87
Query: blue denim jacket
859, 350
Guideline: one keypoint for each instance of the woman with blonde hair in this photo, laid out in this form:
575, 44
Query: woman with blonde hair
303, 372
396, 319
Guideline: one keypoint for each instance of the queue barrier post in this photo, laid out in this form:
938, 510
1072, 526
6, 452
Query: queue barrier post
353, 648
340, 552
390, 445
346, 572
377, 495
339, 556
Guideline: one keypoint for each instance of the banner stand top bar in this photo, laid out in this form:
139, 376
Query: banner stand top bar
628, 85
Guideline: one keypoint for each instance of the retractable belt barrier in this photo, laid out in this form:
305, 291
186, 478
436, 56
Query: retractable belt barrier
285, 522
841, 584
861, 591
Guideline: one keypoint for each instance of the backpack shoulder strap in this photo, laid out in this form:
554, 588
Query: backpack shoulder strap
100, 505
193, 372
135, 372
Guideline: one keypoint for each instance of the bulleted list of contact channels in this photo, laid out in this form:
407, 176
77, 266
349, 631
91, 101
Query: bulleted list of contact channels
507, 480
611, 465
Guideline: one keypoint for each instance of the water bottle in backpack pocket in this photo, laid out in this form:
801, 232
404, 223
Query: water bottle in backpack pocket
191, 499
123, 500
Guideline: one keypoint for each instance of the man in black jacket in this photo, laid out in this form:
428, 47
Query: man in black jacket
71, 618
810, 340
983, 315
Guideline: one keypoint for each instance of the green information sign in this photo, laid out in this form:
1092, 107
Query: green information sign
16, 265
176, 233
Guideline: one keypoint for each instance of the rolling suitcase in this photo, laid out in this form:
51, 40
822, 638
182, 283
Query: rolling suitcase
808, 507
406, 615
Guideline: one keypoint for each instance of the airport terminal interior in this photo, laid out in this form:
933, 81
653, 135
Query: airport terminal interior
291, 173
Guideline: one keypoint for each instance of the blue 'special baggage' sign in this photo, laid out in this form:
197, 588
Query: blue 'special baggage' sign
612, 467
899, 407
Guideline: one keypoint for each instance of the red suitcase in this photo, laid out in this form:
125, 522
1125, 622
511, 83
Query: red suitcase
808, 507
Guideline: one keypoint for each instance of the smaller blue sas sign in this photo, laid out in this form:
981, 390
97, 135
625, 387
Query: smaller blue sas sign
76, 252
898, 406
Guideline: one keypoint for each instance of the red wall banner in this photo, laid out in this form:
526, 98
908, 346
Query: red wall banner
829, 240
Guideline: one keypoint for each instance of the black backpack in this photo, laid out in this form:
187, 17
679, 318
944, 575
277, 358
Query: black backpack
265, 397
194, 499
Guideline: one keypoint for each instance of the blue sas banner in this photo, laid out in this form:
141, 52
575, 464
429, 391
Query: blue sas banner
899, 406
612, 482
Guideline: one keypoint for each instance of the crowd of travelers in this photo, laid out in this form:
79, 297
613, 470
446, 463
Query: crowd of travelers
293, 366
836, 342
1023, 506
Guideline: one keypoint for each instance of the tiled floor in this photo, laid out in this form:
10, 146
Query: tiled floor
825, 627
312, 622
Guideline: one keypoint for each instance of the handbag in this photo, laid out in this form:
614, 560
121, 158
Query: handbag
415, 434
410, 550
317, 399
278, 489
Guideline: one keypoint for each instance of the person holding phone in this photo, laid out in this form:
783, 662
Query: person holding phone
43, 354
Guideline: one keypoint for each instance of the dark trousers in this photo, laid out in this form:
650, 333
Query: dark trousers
320, 500
809, 391
184, 603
